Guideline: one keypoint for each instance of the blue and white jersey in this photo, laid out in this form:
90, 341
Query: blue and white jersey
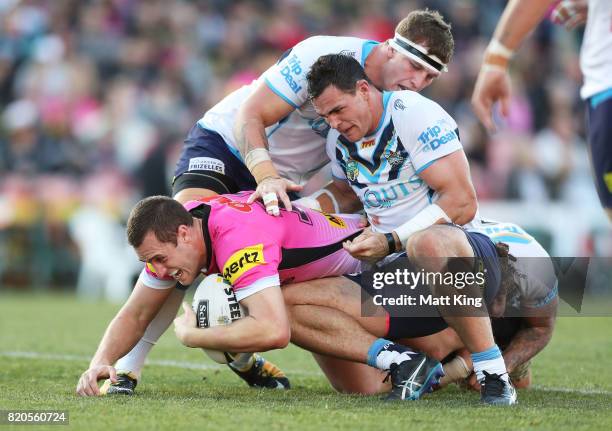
596, 52
534, 271
383, 169
296, 143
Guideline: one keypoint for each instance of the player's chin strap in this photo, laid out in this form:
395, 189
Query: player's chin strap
418, 53
428, 216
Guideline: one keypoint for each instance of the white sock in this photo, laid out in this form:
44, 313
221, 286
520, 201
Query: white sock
135, 359
491, 361
243, 361
383, 353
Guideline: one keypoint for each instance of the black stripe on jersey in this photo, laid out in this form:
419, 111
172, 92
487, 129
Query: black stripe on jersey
375, 163
203, 212
457, 133
295, 257
395, 169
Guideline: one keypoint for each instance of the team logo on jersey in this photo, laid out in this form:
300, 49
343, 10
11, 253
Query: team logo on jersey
368, 144
206, 164
291, 71
242, 261
394, 158
352, 171
437, 135
335, 221
399, 104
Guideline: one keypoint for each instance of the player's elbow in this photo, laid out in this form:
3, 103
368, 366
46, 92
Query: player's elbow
277, 336
465, 207
282, 339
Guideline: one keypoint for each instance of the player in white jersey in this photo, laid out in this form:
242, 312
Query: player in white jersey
523, 312
401, 155
523, 317
493, 83
213, 161
282, 91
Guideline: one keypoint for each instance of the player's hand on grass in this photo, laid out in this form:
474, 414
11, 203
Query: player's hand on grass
492, 85
184, 324
88, 383
273, 190
472, 383
369, 246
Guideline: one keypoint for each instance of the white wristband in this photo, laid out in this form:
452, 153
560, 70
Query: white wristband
308, 202
255, 157
313, 203
331, 197
427, 217
498, 48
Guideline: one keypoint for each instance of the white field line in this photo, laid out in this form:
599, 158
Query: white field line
197, 366
161, 363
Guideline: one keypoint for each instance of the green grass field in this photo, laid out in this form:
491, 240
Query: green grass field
46, 342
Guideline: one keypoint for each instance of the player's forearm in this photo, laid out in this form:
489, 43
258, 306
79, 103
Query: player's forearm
244, 335
250, 134
527, 343
519, 18
120, 337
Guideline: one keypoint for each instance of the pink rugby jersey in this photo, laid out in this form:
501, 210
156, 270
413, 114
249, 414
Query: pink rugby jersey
254, 251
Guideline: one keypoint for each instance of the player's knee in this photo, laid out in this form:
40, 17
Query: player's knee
425, 243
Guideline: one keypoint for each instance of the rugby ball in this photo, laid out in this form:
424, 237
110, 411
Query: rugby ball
214, 304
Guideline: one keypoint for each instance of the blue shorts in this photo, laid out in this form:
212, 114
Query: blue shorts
207, 162
487, 260
599, 124
425, 319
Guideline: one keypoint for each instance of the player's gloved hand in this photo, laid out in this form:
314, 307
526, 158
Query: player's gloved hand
273, 190
184, 325
570, 13
492, 85
88, 382
368, 246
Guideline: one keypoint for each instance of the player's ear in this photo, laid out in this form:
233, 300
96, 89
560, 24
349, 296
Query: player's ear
389, 50
363, 87
182, 233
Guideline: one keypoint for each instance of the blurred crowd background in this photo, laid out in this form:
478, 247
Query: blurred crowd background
97, 95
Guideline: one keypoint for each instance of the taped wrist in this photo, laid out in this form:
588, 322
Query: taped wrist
427, 217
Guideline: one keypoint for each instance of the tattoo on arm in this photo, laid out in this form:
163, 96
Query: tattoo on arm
527, 343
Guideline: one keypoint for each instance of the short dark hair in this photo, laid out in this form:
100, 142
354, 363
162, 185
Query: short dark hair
427, 27
161, 215
339, 70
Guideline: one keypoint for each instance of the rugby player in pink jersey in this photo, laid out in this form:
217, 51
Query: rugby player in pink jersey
266, 135
227, 235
